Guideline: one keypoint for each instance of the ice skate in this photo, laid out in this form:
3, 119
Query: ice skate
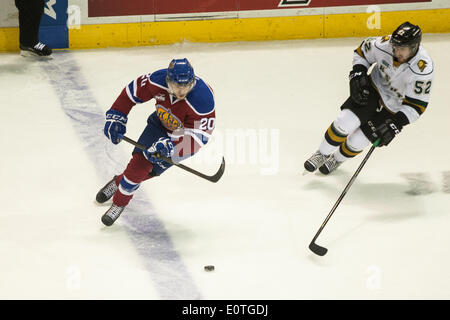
107, 191
112, 215
330, 165
38, 50
315, 161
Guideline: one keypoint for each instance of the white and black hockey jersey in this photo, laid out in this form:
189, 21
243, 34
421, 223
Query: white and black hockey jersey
403, 87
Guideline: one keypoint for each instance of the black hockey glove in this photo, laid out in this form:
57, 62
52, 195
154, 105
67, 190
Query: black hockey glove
387, 132
359, 85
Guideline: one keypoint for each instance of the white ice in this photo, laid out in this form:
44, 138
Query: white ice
388, 239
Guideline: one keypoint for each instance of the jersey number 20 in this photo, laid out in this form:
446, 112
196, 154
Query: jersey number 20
207, 124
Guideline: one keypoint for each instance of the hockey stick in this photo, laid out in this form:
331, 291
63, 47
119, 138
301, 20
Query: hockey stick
321, 251
213, 178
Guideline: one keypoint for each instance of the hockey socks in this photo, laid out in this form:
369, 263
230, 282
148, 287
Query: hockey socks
137, 171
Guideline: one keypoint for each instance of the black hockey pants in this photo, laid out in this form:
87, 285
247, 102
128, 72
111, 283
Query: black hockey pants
30, 14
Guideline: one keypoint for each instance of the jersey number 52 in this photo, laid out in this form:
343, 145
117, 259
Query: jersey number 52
422, 87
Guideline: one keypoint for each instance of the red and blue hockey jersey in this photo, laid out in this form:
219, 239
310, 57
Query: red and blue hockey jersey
189, 122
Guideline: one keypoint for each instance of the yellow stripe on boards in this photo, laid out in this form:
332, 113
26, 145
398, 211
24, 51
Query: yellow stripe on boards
248, 29
105, 35
252, 29
9, 39
356, 24
222, 30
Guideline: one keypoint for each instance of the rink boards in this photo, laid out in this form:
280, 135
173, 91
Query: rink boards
92, 24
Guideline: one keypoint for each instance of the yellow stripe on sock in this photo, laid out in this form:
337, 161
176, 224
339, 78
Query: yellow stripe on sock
335, 137
348, 152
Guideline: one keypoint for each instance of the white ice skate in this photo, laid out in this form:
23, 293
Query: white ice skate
330, 165
112, 215
315, 161
107, 191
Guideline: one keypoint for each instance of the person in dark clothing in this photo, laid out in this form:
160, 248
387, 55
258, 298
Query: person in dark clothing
30, 14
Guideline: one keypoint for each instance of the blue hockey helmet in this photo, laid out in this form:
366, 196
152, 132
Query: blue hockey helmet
180, 77
180, 71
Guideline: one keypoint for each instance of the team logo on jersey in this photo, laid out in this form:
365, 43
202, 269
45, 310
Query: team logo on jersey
160, 97
168, 120
422, 65
293, 3
385, 38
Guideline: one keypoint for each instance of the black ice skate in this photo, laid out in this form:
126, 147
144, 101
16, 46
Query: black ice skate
330, 165
38, 50
112, 215
315, 161
107, 191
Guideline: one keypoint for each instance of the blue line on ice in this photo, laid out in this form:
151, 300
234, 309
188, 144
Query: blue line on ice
168, 272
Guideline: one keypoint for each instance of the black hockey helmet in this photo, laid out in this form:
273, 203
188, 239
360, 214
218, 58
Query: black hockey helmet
407, 35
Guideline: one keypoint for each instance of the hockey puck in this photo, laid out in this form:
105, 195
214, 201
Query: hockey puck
209, 268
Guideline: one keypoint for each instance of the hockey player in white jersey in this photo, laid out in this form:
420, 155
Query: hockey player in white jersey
395, 94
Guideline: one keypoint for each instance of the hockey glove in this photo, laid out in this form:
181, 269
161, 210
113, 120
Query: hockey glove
387, 131
115, 126
162, 147
359, 85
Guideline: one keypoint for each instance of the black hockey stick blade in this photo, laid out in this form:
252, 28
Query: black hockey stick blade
214, 178
219, 172
320, 251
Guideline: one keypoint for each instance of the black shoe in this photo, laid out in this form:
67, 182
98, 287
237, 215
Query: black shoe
39, 50
107, 191
112, 215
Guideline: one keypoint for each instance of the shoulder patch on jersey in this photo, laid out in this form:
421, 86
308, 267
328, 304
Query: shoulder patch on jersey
201, 98
159, 78
422, 64
385, 38
422, 67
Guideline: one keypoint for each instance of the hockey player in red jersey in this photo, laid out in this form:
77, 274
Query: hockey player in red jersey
182, 123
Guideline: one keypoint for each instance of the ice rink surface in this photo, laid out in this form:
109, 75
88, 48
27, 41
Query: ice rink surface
388, 239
